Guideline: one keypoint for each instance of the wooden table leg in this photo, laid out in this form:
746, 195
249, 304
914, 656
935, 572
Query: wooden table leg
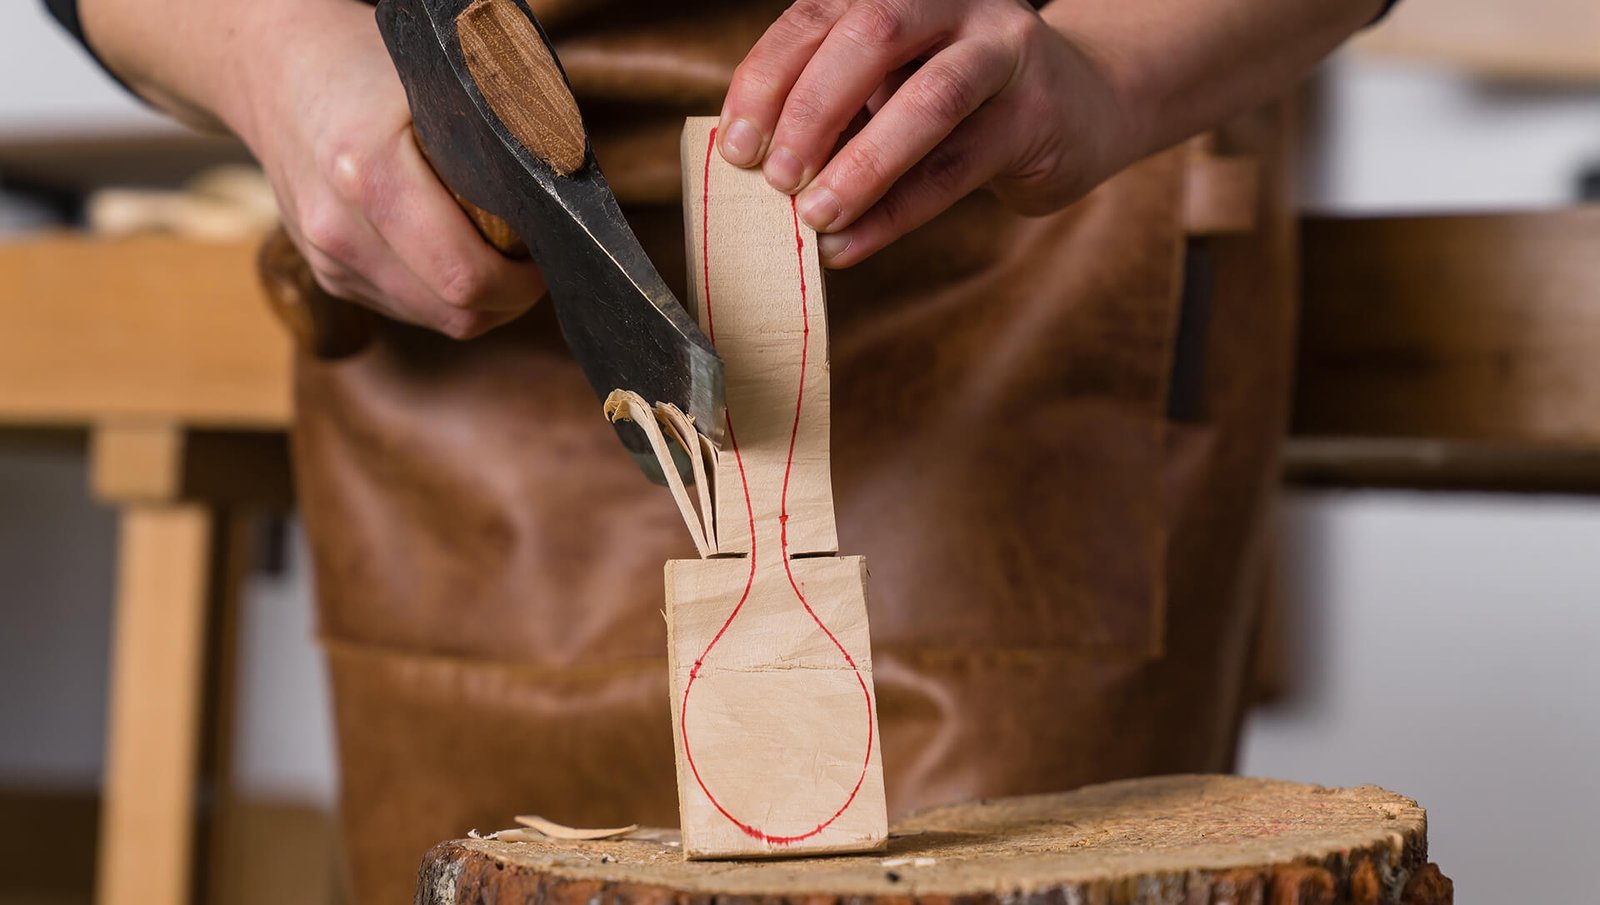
186, 499
156, 706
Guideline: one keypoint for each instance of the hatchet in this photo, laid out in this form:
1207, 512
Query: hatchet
494, 114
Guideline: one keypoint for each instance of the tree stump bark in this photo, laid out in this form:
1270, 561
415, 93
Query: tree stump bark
1183, 840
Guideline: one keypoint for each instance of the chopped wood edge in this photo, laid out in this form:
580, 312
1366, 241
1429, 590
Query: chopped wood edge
1388, 865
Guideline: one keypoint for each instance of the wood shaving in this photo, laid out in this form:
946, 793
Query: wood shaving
553, 830
908, 862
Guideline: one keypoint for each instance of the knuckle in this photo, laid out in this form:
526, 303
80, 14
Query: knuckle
329, 230
804, 110
860, 168
942, 93
461, 325
755, 79
876, 23
809, 16
333, 283
350, 171
464, 285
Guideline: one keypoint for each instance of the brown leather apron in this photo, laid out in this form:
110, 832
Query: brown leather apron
1062, 573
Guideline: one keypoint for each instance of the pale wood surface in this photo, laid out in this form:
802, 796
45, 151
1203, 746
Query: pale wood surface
1204, 839
764, 309
157, 700
150, 327
773, 710
1543, 40
139, 462
778, 730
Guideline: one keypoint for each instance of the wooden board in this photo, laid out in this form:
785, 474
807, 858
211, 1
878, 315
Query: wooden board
755, 286
147, 824
1463, 328
774, 716
153, 328
1539, 40
1180, 839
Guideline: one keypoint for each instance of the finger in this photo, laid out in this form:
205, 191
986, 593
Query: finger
340, 248
958, 166
932, 103
431, 236
348, 284
763, 79
891, 84
871, 40
351, 262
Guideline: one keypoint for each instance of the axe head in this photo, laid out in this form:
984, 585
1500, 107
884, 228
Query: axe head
623, 324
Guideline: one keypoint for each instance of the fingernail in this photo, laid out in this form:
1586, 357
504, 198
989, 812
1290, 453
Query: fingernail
741, 143
784, 170
833, 245
819, 207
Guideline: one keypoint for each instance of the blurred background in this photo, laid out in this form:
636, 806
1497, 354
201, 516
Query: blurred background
1436, 643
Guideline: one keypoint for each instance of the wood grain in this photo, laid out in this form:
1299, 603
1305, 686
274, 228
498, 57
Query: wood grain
774, 714
516, 74
154, 328
1191, 839
766, 311
153, 743
1463, 328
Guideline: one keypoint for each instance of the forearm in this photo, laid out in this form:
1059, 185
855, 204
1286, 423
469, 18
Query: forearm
1182, 66
203, 61
180, 55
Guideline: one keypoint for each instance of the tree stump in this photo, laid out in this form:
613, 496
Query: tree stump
1184, 840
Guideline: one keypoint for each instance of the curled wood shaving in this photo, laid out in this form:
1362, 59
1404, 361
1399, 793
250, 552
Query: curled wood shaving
625, 405
553, 830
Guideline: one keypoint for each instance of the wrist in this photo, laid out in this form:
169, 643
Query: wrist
1124, 71
1178, 67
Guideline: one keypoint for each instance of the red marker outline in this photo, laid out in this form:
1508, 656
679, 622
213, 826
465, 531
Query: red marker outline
783, 528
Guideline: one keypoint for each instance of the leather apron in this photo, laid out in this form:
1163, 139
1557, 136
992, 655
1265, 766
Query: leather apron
1057, 462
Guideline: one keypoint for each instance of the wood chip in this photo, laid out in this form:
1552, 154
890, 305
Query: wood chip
908, 862
555, 830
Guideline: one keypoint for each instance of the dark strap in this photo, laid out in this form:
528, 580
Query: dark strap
66, 12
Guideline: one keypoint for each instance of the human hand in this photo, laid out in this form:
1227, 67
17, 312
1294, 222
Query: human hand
325, 113
960, 94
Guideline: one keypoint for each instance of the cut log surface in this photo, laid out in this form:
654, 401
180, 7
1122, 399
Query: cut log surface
1176, 839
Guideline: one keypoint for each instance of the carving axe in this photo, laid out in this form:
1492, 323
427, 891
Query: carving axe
494, 114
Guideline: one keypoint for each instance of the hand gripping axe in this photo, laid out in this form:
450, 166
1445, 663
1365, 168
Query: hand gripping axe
494, 114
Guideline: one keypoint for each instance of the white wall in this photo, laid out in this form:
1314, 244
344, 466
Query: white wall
47, 87
1444, 643
1444, 648
1404, 137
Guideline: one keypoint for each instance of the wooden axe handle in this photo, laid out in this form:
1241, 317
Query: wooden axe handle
517, 74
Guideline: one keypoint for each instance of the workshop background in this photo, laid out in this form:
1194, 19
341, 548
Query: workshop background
1438, 644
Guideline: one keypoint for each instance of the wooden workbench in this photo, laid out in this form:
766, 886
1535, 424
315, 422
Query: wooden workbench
164, 352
